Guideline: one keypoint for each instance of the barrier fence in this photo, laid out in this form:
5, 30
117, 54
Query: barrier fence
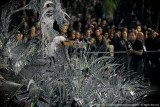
123, 52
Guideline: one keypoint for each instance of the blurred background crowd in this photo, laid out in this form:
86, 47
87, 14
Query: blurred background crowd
102, 32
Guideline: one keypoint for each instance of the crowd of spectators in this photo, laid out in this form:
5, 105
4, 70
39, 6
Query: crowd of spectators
122, 31
102, 33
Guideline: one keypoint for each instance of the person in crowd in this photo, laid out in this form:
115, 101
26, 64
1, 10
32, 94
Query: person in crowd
32, 35
70, 28
136, 51
87, 36
78, 36
32, 22
73, 37
91, 30
81, 39
144, 29
125, 29
138, 28
152, 45
97, 34
99, 22
101, 45
79, 27
125, 56
76, 23
18, 37
104, 26
110, 43
140, 37
73, 32
25, 31
124, 41
92, 45
37, 25
106, 37
100, 29
38, 35
117, 43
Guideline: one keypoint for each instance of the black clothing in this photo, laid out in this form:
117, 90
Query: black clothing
117, 46
137, 61
101, 47
137, 45
152, 45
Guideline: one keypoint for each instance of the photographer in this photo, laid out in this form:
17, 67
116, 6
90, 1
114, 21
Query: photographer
136, 51
140, 37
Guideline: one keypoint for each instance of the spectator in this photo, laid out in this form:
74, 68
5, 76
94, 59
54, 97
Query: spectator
101, 30
87, 36
18, 37
101, 45
78, 36
38, 35
81, 39
144, 29
91, 31
138, 28
32, 33
124, 42
106, 37
140, 37
117, 43
25, 31
70, 28
73, 32
92, 45
37, 25
73, 37
124, 36
151, 45
136, 50
110, 42
99, 22
79, 27
125, 56
104, 26
125, 29
32, 22
97, 34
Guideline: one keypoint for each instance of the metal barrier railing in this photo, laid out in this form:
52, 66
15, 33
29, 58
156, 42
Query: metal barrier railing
123, 52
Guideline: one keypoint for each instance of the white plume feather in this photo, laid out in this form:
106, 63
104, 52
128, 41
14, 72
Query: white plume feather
47, 2
53, 46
